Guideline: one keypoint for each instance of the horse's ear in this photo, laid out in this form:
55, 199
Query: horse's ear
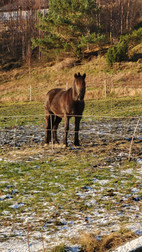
75, 76
84, 76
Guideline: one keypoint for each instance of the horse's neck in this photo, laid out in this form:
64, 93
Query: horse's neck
72, 93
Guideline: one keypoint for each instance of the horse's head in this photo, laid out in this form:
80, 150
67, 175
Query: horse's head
79, 86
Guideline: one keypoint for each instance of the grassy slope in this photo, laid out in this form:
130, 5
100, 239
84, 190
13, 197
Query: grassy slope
15, 85
122, 81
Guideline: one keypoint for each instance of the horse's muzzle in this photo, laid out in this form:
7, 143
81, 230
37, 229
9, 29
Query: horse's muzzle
80, 97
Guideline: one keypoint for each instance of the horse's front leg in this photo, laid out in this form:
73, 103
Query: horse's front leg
77, 124
66, 118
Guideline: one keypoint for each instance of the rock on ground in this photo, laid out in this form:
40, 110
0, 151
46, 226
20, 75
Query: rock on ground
132, 246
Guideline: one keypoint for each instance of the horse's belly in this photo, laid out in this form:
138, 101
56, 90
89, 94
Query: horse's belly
57, 111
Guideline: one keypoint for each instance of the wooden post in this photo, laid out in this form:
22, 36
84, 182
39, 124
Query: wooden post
30, 93
105, 87
130, 149
51, 132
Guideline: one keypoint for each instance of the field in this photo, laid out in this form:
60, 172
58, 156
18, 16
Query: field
51, 195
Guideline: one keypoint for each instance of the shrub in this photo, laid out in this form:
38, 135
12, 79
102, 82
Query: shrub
117, 53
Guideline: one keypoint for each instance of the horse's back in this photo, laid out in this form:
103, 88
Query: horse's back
54, 101
50, 95
58, 101
53, 92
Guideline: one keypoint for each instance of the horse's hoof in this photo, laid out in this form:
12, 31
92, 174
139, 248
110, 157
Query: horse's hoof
56, 145
63, 145
46, 145
77, 144
56, 142
66, 144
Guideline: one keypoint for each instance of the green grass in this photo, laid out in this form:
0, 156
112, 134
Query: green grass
59, 181
115, 107
19, 113
56, 182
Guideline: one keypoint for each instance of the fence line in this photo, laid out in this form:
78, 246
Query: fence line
92, 131
31, 139
83, 116
104, 129
84, 131
99, 90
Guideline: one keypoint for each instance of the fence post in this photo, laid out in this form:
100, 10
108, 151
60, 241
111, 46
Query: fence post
30, 93
130, 149
51, 124
105, 86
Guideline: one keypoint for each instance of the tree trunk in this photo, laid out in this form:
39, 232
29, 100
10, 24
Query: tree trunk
128, 15
122, 10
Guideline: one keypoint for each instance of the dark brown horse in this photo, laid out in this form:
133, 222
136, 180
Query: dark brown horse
62, 103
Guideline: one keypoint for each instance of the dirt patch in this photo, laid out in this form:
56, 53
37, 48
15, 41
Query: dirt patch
66, 63
95, 137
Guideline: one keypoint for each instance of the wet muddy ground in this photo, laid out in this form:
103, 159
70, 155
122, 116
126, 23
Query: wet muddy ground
101, 133
112, 198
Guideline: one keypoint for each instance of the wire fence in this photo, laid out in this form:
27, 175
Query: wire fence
95, 90
92, 128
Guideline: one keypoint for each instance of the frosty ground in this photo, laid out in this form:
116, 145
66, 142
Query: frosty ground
50, 195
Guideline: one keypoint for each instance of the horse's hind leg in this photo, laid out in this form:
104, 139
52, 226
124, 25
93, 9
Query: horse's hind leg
49, 122
55, 127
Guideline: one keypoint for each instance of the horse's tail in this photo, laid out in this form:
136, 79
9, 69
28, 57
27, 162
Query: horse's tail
47, 101
49, 97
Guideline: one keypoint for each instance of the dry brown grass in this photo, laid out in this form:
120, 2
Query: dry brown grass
89, 243
124, 78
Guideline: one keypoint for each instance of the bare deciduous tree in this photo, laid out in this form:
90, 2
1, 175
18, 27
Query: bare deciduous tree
18, 20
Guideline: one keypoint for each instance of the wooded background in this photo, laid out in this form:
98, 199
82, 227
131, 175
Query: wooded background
19, 20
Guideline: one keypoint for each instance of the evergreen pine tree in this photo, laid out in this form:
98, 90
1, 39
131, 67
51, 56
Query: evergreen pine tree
69, 26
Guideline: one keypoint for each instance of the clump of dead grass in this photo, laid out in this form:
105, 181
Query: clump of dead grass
89, 242
59, 248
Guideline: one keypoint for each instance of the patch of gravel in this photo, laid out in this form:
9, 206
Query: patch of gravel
30, 135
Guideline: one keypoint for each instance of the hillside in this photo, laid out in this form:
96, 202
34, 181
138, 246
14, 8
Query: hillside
124, 79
